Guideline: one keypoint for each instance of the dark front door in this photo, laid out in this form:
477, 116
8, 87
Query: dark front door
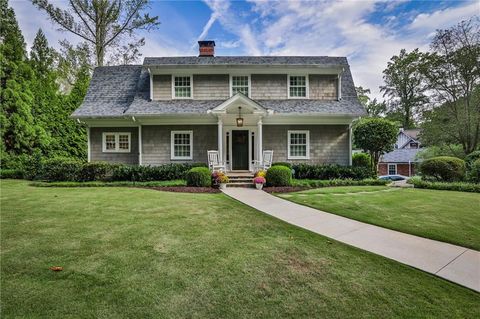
240, 150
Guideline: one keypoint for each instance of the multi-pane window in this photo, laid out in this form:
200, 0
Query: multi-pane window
181, 144
392, 169
240, 84
297, 86
182, 87
116, 142
298, 144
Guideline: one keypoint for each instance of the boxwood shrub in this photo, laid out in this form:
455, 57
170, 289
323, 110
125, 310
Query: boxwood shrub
289, 165
199, 177
331, 171
279, 176
361, 160
453, 186
71, 170
443, 168
11, 173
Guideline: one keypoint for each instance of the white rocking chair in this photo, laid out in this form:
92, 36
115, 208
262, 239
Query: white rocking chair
265, 163
214, 163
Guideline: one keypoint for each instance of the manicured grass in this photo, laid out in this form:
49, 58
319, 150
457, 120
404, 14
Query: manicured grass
448, 216
137, 253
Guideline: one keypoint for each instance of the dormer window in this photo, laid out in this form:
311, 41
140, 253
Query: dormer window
240, 84
297, 86
182, 87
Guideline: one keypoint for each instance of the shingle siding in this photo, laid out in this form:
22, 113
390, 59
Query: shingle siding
323, 87
96, 146
269, 86
156, 147
162, 87
329, 144
263, 87
211, 87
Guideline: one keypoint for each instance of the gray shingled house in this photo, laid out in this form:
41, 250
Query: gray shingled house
174, 109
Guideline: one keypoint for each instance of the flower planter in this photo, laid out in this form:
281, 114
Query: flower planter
259, 186
222, 186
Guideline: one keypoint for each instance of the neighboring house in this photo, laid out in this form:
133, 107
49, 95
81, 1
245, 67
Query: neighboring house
402, 160
174, 109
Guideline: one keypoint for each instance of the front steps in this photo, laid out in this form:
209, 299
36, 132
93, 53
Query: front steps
240, 179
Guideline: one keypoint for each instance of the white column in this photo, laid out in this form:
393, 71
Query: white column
339, 91
220, 139
140, 145
88, 144
151, 84
259, 139
350, 144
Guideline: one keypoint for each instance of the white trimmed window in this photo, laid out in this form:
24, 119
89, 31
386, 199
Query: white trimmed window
240, 84
181, 145
298, 144
116, 142
297, 86
392, 169
182, 87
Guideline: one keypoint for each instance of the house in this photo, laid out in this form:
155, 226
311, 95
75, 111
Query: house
402, 160
174, 109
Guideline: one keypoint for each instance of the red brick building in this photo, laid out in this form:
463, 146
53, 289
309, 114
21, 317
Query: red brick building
402, 160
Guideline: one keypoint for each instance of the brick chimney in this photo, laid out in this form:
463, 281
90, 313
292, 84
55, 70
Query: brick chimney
206, 48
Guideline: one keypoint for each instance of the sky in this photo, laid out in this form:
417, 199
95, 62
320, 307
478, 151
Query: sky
367, 32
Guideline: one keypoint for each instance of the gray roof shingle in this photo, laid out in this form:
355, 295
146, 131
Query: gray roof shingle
111, 91
246, 60
403, 155
125, 90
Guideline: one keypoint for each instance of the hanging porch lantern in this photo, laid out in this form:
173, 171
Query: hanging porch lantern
239, 118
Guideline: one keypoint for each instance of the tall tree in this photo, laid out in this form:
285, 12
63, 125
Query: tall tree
375, 136
452, 72
404, 86
372, 107
106, 25
19, 132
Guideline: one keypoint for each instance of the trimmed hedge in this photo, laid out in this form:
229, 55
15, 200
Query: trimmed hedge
456, 186
177, 182
11, 173
361, 160
199, 177
279, 176
443, 168
323, 172
339, 182
289, 165
70, 170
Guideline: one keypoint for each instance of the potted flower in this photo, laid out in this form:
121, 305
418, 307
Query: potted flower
259, 181
222, 180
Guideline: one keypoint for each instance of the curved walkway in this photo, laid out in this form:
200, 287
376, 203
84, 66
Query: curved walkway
457, 264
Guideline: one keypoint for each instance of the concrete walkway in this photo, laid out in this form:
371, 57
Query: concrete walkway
458, 264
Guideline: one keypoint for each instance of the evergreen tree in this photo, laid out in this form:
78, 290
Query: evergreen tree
18, 130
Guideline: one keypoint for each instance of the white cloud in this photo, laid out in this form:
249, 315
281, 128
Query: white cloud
444, 18
341, 28
229, 20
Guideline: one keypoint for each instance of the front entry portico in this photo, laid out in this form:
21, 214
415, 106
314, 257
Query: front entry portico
239, 146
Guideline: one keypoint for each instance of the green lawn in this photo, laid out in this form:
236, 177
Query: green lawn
139, 253
448, 216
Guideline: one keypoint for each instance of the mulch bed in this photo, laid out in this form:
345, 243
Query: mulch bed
285, 189
185, 189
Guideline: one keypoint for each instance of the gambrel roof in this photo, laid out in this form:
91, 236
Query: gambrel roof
117, 91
